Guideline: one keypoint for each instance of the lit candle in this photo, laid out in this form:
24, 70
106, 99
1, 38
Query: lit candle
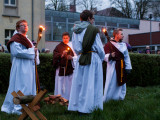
68, 50
104, 30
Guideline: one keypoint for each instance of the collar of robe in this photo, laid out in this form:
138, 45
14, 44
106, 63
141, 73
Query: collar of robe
116, 41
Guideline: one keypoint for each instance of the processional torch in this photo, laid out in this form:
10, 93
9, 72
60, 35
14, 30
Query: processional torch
41, 28
104, 30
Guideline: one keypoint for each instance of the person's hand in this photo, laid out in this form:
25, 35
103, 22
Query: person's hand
113, 54
35, 49
69, 57
64, 53
128, 71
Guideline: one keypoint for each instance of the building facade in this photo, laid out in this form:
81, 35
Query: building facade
147, 35
33, 11
58, 22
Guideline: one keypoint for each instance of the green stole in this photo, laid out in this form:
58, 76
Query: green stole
88, 40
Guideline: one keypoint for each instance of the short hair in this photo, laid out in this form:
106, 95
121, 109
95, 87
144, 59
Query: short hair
65, 33
116, 31
18, 24
85, 14
158, 51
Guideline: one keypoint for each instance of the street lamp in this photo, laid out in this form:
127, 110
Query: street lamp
150, 17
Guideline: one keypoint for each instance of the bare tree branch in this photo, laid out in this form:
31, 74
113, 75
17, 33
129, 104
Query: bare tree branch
88, 4
59, 5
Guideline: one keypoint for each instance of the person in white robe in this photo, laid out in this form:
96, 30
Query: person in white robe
113, 89
63, 54
22, 74
87, 84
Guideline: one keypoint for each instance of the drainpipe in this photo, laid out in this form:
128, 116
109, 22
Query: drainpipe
32, 20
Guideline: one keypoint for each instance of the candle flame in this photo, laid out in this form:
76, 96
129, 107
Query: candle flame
104, 30
68, 48
41, 27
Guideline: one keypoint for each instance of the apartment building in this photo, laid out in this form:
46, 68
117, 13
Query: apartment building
33, 11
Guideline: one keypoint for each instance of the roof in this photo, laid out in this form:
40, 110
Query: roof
113, 12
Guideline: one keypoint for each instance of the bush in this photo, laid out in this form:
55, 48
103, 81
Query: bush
5, 65
145, 72
46, 71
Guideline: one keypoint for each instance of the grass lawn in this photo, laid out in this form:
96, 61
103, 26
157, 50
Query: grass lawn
141, 103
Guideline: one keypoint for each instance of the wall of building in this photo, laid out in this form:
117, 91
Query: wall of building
143, 28
39, 19
51, 45
144, 39
24, 12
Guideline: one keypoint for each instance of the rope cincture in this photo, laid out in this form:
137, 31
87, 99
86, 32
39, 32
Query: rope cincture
86, 52
121, 69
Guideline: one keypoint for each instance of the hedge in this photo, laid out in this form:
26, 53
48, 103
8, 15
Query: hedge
146, 69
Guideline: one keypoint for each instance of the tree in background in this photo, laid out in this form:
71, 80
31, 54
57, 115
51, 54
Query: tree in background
88, 4
141, 8
124, 6
60, 5
155, 9
132, 8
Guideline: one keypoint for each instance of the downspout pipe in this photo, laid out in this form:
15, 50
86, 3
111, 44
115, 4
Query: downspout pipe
32, 20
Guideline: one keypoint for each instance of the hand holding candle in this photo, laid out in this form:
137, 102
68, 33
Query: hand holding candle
69, 57
64, 53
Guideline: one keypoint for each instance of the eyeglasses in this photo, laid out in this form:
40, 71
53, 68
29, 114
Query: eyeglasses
24, 25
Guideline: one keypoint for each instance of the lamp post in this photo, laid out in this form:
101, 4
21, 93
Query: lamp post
150, 17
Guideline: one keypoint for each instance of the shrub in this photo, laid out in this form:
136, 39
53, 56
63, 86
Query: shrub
45, 71
5, 65
145, 72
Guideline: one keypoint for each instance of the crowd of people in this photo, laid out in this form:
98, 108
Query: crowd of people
78, 64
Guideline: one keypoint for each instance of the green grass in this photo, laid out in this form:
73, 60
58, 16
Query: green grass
141, 103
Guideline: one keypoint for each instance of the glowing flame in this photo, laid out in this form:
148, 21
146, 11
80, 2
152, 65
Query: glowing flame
68, 49
40, 35
41, 27
104, 30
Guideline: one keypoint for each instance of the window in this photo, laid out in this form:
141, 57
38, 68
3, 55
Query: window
8, 35
10, 2
123, 25
134, 26
10, 8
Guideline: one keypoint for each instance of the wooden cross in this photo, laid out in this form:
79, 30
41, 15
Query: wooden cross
32, 110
